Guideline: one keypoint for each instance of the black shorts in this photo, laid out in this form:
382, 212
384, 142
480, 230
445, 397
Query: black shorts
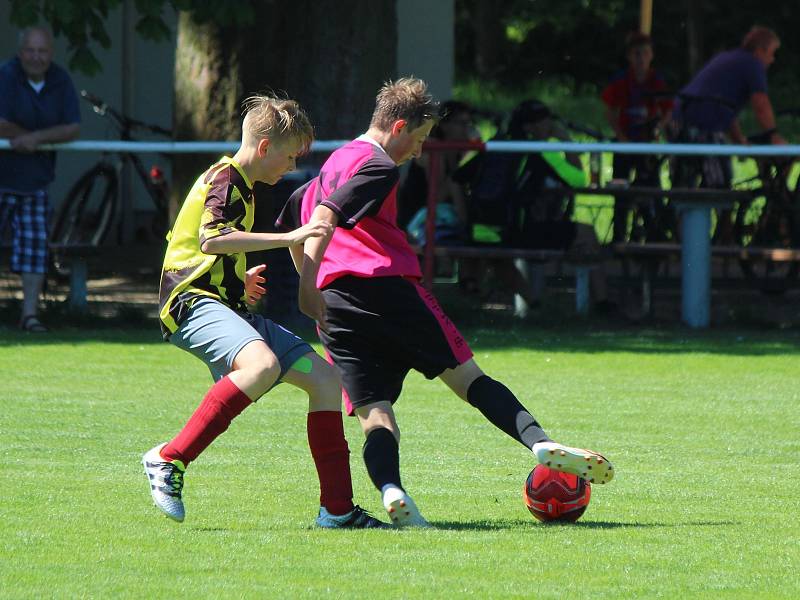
379, 329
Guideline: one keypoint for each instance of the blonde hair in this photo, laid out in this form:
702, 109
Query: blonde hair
408, 99
278, 119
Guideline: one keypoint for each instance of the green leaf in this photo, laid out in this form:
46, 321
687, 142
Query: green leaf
24, 13
153, 28
84, 61
98, 31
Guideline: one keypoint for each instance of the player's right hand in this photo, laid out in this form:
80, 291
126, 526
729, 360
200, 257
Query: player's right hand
252, 284
311, 229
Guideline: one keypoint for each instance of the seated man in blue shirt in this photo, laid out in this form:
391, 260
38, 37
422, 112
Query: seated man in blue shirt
707, 112
38, 105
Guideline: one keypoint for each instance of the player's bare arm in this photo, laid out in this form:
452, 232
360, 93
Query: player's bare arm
309, 297
242, 241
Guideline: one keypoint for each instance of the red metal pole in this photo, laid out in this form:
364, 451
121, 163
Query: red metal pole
430, 220
434, 148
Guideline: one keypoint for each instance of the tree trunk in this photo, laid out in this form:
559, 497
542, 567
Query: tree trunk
331, 61
208, 90
694, 35
489, 32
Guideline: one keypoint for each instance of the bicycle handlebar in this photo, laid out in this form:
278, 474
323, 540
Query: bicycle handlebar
123, 122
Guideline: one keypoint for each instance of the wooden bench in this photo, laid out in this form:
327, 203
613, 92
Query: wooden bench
580, 262
75, 258
650, 255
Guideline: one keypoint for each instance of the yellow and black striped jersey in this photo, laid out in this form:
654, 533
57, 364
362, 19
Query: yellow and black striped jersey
220, 201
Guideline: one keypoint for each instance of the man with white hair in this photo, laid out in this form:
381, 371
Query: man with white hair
38, 105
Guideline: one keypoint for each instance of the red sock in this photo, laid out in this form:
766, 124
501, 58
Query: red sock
332, 458
219, 407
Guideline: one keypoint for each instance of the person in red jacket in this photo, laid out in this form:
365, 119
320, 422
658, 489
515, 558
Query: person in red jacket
637, 108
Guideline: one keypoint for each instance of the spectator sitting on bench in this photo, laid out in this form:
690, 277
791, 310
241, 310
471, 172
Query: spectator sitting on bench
524, 193
455, 125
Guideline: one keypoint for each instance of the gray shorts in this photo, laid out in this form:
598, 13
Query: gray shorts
216, 334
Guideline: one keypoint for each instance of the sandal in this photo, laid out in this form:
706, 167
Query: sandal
32, 324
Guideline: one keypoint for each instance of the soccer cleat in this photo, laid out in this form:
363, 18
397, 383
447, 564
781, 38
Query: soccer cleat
402, 510
358, 518
166, 482
589, 465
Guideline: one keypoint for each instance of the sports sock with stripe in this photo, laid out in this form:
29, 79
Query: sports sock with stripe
221, 404
499, 405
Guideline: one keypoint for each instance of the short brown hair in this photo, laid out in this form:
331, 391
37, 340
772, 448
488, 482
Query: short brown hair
637, 39
408, 99
759, 37
279, 119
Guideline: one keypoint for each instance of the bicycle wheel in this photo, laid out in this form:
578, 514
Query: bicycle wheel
88, 211
767, 221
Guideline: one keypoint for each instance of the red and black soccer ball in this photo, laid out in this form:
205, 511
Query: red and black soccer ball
555, 496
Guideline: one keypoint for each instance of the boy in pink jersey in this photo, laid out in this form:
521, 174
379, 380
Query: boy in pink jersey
361, 285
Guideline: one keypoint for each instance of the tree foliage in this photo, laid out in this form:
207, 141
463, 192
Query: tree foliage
83, 22
582, 41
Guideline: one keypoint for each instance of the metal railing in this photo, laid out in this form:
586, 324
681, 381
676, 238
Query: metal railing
491, 146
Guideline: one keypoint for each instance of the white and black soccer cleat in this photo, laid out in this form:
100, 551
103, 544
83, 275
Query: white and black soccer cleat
166, 482
358, 518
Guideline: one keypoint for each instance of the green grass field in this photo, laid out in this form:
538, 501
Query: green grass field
702, 427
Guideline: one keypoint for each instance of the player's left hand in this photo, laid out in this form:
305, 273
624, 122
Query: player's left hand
253, 279
312, 229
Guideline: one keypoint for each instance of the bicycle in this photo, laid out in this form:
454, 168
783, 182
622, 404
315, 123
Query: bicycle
90, 209
771, 218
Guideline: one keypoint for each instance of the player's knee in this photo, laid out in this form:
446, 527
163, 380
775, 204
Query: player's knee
265, 374
370, 419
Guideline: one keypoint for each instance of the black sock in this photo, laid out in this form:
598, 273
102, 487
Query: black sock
382, 458
503, 410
